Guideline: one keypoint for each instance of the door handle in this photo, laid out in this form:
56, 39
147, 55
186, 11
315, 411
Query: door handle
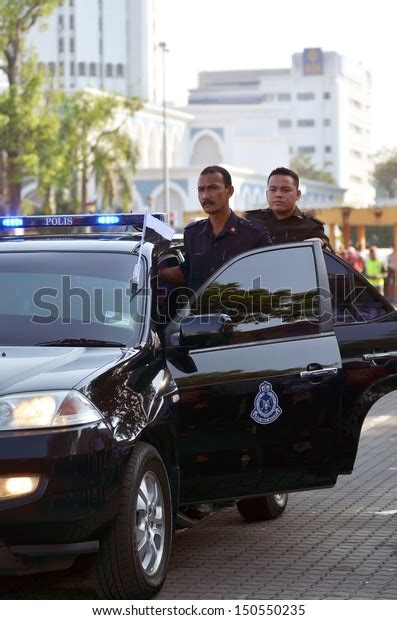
320, 372
374, 357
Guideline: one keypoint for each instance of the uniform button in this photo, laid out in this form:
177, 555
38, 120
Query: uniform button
212, 269
215, 244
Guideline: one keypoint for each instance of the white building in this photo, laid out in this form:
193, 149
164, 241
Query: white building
319, 107
111, 45
104, 44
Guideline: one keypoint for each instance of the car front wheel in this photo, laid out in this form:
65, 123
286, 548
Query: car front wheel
262, 508
133, 558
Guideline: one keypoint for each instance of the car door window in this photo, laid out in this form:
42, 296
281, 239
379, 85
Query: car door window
353, 299
267, 295
368, 303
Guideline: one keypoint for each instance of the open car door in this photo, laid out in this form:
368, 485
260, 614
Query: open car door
258, 370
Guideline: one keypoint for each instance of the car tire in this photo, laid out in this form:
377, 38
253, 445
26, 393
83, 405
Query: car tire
134, 553
262, 508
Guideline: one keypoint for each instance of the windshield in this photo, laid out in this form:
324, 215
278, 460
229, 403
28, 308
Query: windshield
69, 299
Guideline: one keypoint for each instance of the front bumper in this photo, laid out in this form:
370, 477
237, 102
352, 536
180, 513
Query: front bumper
80, 468
29, 559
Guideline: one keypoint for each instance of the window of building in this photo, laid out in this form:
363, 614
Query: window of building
71, 45
71, 22
306, 150
92, 69
305, 96
61, 68
306, 122
327, 122
81, 68
275, 297
60, 45
284, 123
327, 95
72, 68
71, 2
60, 22
120, 70
51, 68
268, 97
109, 69
284, 96
328, 148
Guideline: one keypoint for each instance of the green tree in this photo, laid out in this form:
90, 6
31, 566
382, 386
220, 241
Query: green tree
385, 174
304, 167
20, 118
93, 144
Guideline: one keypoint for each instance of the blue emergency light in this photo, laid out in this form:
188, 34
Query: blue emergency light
50, 221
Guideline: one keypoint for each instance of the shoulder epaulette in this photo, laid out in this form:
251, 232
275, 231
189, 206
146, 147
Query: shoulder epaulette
196, 223
258, 211
309, 216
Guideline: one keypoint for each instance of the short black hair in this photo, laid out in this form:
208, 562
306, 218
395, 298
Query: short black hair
227, 179
287, 173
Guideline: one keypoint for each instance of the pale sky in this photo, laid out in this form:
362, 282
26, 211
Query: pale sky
246, 34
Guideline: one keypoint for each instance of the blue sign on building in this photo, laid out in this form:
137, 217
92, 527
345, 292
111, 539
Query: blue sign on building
313, 61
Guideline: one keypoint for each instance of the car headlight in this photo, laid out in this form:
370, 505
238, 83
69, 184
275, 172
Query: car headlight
45, 409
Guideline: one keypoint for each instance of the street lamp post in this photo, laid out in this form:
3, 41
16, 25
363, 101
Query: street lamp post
165, 50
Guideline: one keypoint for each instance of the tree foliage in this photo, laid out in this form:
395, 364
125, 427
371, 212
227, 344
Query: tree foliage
20, 114
305, 168
93, 145
65, 142
385, 174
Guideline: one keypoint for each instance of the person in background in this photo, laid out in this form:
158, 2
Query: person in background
354, 259
375, 269
284, 220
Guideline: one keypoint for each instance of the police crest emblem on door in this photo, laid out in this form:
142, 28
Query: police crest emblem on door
266, 407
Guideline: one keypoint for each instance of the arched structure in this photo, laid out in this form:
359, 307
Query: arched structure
141, 141
207, 149
154, 141
178, 201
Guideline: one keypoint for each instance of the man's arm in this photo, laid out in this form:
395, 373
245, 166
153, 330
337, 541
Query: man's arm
174, 275
179, 274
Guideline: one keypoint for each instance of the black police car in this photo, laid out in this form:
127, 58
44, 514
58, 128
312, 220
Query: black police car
118, 410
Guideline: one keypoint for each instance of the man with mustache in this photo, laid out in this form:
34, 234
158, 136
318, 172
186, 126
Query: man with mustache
213, 241
283, 219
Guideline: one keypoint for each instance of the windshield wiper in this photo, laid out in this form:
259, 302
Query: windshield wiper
80, 342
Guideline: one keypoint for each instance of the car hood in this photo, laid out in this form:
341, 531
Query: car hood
25, 369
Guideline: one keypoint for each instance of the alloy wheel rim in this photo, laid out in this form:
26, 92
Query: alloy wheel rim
150, 523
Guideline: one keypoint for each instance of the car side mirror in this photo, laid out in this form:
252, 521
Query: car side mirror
204, 330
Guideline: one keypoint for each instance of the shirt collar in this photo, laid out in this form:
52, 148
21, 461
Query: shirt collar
295, 213
229, 227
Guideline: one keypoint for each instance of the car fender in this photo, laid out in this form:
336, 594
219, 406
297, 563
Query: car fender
354, 421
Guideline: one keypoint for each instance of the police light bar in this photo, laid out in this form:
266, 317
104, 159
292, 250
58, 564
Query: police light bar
105, 219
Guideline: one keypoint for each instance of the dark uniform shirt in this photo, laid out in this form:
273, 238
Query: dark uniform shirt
296, 227
206, 252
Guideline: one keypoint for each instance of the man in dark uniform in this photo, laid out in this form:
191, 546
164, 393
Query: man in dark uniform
283, 219
211, 242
